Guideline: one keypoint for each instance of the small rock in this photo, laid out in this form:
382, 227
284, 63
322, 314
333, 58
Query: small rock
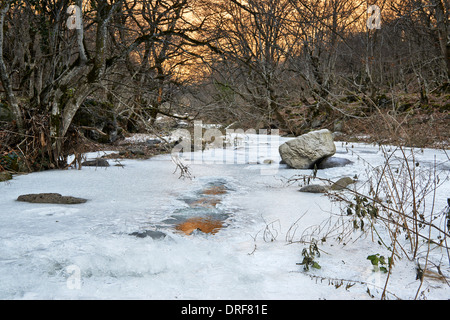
137, 152
316, 123
149, 233
342, 183
314, 188
50, 198
152, 142
337, 134
338, 125
5, 176
333, 162
96, 163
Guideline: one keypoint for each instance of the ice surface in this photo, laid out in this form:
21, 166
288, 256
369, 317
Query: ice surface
91, 251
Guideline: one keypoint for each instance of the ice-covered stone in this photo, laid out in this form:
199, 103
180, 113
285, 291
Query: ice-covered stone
308, 149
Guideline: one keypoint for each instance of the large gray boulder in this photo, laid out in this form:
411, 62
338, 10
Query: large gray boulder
308, 149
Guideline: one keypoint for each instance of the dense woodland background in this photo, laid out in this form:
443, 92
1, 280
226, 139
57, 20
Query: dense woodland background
294, 65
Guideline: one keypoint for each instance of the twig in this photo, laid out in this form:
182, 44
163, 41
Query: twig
94, 129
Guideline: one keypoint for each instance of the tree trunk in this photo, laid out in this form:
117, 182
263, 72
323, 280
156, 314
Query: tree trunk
68, 94
7, 85
443, 32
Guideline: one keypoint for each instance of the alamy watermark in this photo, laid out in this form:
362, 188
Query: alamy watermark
374, 19
73, 281
74, 21
209, 145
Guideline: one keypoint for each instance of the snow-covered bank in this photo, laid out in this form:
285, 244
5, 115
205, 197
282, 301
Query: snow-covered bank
86, 251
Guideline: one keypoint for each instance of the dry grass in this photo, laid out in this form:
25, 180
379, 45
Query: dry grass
419, 129
398, 119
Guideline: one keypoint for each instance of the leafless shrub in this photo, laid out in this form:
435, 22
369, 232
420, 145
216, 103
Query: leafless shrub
396, 206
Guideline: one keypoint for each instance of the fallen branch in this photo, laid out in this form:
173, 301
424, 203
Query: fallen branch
94, 129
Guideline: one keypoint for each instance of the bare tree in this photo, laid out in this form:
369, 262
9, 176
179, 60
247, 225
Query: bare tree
254, 61
4, 74
254, 46
118, 45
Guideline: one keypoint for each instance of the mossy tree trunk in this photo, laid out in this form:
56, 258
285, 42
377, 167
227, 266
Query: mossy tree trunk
443, 31
65, 97
7, 85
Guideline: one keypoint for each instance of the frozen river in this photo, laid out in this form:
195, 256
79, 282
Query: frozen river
135, 237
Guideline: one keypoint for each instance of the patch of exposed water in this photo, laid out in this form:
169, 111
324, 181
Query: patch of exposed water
203, 213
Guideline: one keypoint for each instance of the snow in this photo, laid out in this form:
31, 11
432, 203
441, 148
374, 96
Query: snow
86, 251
